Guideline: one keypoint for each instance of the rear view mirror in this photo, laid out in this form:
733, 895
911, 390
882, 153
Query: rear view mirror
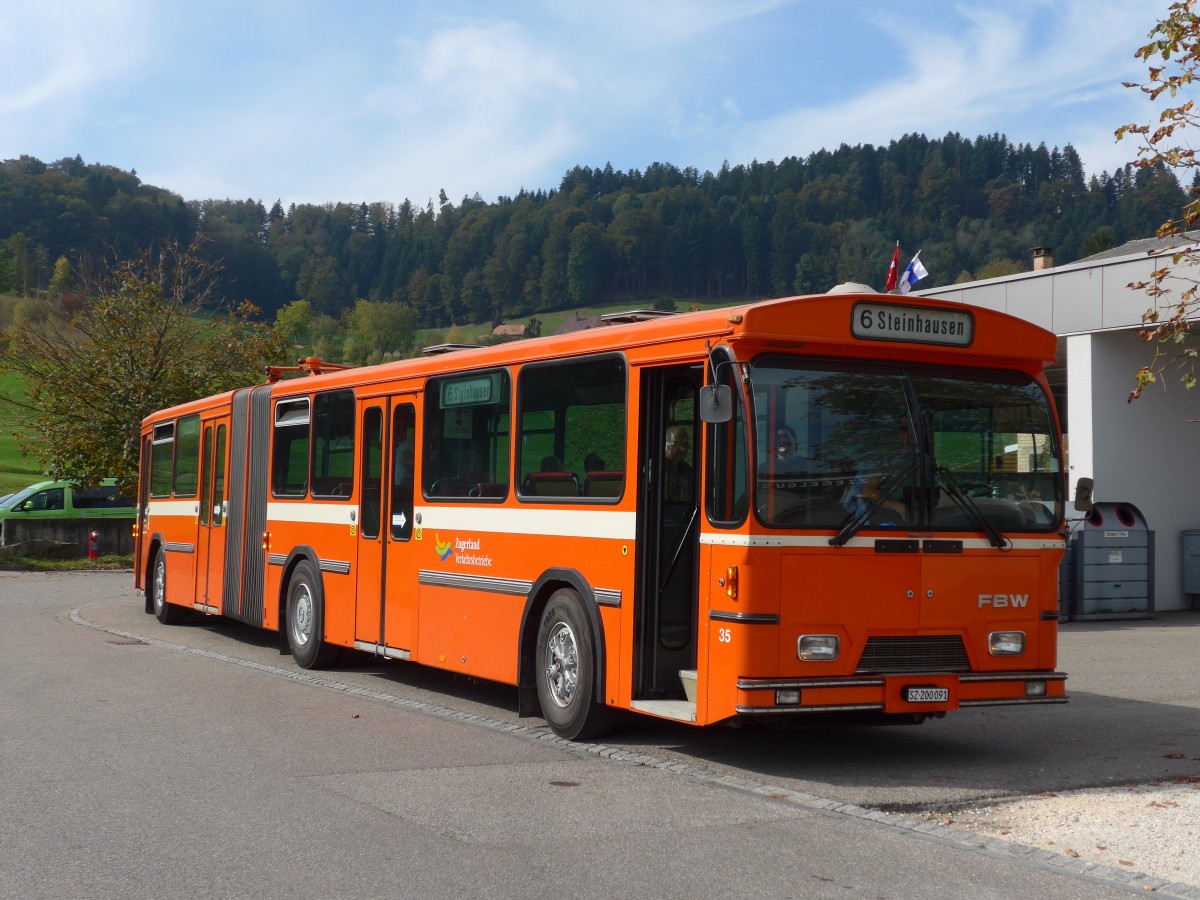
716, 403
1083, 494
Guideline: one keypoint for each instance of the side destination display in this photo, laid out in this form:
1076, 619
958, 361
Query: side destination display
919, 324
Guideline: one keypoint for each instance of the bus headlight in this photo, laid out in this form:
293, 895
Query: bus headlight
1006, 643
818, 647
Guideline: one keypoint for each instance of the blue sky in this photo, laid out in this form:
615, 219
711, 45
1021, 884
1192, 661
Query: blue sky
312, 102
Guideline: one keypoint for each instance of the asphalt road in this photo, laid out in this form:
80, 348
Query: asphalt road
146, 761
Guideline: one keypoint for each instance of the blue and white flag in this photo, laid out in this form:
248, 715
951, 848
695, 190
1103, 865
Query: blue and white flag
913, 273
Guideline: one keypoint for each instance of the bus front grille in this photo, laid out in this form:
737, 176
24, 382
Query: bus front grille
892, 655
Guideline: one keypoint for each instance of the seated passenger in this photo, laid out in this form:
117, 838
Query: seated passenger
677, 471
784, 460
864, 490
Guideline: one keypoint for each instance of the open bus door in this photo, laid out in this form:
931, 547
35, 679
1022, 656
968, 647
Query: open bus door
668, 531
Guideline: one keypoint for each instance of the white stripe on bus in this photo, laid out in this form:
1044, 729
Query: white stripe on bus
726, 539
314, 513
564, 522
591, 523
189, 508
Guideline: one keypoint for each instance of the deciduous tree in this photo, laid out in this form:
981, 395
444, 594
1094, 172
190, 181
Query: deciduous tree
60, 281
378, 329
143, 337
1172, 58
294, 321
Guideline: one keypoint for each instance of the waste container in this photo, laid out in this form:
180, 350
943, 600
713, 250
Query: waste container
1066, 582
1113, 572
1191, 566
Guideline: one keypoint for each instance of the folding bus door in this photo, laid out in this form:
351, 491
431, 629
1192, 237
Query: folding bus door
668, 530
210, 539
385, 612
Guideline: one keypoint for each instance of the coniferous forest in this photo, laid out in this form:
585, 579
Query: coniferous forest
974, 208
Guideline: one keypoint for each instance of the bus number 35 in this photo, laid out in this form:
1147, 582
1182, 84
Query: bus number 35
723, 635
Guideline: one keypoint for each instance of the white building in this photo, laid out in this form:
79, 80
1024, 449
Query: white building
1146, 452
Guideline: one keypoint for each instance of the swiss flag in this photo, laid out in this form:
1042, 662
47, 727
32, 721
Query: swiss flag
893, 269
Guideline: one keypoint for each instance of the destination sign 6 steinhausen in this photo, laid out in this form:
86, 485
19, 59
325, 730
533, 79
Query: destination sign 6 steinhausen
919, 324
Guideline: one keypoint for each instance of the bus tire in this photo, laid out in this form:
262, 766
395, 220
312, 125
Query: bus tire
305, 618
165, 612
566, 670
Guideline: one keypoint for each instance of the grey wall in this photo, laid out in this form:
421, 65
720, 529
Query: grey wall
116, 535
1143, 452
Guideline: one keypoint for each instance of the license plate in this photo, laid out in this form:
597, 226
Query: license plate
927, 694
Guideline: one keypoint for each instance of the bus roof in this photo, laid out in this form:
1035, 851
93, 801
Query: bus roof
916, 329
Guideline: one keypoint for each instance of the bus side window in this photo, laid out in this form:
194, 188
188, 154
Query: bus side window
372, 473
333, 444
572, 418
162, 459
467, 436
187, 456
404, 421
289, 451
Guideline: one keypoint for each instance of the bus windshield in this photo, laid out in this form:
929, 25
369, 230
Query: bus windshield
904, 447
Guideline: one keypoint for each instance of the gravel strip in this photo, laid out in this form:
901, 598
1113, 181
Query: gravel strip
1152, 828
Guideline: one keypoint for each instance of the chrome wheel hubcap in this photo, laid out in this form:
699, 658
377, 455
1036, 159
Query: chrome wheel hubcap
562, 664
160, 584
302, 616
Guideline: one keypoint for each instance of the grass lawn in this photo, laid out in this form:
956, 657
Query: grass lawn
16, 471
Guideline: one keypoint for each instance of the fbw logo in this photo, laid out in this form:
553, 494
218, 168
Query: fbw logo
1003, 601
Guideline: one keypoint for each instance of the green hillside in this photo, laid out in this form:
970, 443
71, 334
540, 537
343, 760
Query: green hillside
973, 207
16, 471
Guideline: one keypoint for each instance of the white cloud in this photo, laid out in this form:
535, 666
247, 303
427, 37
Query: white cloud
488, 61
54, 57
663, 23
1031, 72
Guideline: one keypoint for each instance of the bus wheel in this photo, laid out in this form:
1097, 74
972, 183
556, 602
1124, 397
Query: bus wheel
163, 611
305, 618
566, 671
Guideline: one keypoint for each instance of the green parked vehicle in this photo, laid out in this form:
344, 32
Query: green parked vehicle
63, 500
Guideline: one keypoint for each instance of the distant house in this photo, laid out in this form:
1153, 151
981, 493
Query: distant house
509, 331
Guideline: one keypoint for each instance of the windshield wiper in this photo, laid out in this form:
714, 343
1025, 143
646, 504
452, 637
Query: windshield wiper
886, 488
964, 502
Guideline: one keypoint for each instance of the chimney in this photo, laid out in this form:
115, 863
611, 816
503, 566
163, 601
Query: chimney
1043, 258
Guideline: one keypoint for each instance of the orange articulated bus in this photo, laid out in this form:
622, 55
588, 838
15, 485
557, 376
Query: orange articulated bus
849, 503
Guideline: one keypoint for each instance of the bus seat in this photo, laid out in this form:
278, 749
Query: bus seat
330, 486
603, 484
489, 489
552, 484
447, 486
1005, 515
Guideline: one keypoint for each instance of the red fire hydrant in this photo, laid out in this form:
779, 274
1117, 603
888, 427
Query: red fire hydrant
93, 545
